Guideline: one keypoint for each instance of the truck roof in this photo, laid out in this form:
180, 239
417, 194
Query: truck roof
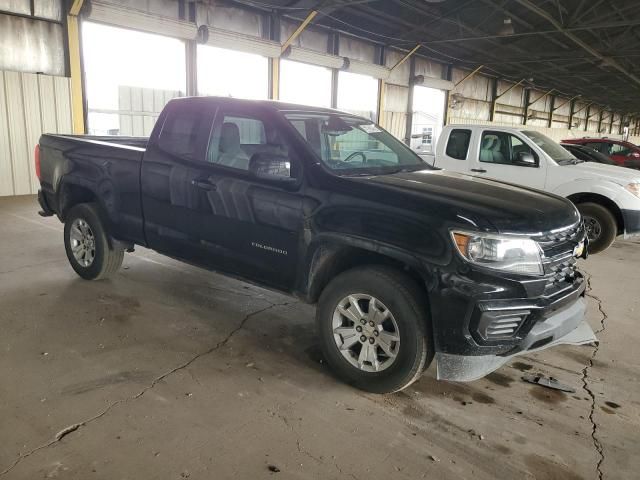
276, 105
514, 128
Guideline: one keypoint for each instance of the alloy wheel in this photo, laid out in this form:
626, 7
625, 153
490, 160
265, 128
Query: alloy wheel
83, 244
366, 333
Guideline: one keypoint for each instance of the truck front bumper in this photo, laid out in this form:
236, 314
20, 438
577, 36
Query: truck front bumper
565, 327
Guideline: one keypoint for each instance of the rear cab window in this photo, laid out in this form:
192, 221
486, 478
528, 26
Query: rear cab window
184, 130
458, 144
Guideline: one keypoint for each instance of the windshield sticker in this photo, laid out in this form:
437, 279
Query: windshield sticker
370, 128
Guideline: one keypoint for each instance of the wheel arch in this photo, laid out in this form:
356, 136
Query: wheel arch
328, 259
71, 194
590, 197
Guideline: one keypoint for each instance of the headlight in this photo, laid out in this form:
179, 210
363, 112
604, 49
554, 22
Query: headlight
510, 254
634, 188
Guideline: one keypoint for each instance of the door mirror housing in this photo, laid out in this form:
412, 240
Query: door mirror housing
526, 159
272, 167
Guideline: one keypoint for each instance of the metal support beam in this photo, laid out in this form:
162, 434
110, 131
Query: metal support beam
191, 58
409, 123
274, 63
542, 96
577, 40
494, 98
587, 106
510, 88
292, 38
75, 66
551, 109
572, 107
334, 49
527, 95
406, 57
382, 88
600, 120
448, 74
611, 123
587, 118
468, 76
565, 102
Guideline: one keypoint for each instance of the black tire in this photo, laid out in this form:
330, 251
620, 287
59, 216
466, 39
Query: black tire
107, 254
602, 220
406, 302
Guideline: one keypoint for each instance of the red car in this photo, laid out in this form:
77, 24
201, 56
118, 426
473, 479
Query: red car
625, 154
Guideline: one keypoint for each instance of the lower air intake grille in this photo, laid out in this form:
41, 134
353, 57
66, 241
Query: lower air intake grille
501, 325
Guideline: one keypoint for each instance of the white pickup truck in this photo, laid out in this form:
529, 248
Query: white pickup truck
607, 196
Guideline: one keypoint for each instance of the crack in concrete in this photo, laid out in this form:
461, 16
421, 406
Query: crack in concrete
76, 426
597, 444
300, 447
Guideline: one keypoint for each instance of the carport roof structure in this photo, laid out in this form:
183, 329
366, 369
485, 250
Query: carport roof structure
586, 48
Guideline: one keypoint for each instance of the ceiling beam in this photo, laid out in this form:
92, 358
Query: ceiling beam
607, 60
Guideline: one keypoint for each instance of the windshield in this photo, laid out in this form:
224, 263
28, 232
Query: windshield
352, 145
551, 148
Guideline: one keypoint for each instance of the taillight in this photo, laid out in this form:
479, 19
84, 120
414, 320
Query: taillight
36, 155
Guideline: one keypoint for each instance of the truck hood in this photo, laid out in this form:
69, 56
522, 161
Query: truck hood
590, 170
482, 203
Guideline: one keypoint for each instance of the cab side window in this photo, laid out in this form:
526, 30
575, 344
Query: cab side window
246, 142
503, 148
617, 149
458, 144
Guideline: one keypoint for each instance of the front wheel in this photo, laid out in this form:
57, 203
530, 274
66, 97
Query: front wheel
92, 254
600, 224
372, 323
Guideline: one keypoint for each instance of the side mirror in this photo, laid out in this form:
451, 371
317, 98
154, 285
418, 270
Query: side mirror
526, 159
272, 167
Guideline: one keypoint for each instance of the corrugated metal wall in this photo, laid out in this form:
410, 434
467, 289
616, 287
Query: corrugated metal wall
30, 105
30, 45
139, 108
474, 105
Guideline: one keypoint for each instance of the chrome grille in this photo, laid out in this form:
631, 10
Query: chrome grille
560, 243
559, 262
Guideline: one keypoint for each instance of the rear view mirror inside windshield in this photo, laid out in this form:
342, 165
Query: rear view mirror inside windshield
336, 126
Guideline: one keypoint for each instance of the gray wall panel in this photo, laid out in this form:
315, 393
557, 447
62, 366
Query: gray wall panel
6, 167
31, 46
30, 105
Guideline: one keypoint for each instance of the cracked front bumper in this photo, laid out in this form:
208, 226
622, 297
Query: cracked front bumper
566, 327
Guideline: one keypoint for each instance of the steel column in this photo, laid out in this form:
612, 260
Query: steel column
75, 67
409, 123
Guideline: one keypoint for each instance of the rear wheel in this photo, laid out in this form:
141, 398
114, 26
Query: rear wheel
373, 329
92, 254
600, 224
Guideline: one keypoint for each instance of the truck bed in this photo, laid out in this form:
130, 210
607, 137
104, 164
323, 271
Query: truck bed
100, 167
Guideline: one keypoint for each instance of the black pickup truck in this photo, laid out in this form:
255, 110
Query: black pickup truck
406, 263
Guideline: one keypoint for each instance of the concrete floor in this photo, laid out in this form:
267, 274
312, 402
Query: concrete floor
171, 372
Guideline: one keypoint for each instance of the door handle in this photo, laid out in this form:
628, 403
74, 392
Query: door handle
203, 184
479, 170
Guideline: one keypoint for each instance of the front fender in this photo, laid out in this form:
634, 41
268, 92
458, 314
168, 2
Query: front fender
329, 253
623, 199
